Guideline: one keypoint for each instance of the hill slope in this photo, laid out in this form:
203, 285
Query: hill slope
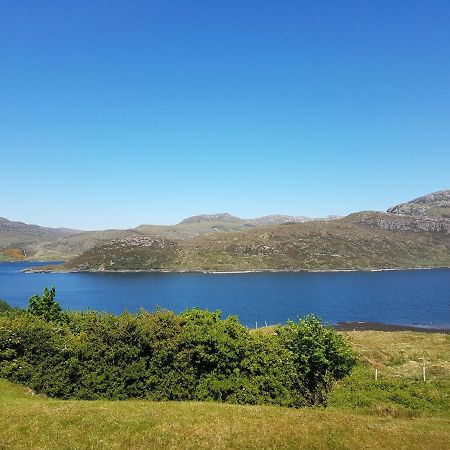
22, 241
367, 240
213, 223
431, 206
16, 238
412, 234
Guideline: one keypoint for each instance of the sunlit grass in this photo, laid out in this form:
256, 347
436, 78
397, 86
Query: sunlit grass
399, 411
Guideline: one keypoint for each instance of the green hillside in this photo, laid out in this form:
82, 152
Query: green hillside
31, 242
367, 240
413, 234
17, 238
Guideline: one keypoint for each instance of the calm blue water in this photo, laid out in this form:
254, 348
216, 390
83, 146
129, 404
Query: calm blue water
409, 297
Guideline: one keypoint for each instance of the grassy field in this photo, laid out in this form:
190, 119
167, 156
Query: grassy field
398, 411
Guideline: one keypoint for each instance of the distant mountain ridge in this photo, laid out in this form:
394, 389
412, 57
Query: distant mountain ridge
360, 241
11, 225
422, 219
19, 240
17, 237
228, 218
351, 243
218, 217
203, 224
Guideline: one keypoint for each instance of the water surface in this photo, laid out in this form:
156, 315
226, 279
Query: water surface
406, 297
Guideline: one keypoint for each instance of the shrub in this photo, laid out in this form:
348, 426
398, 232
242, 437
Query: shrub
46, 306
5, 307
321, 357
195, 355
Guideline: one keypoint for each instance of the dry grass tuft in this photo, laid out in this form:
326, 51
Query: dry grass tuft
399, 354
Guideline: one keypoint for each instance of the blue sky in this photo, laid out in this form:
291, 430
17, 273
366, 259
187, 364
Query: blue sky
114, 114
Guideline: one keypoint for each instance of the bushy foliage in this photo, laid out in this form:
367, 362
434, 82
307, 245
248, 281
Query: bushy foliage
195, 355
46, 306
5, 307
321, 356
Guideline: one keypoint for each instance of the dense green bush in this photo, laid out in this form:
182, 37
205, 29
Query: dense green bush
321, 356
46, 306
4, 306
195, 355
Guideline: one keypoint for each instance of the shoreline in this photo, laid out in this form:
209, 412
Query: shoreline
236, 272
386, 327
340, 326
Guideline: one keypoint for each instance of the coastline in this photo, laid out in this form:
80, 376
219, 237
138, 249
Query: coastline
385, 327
236, 272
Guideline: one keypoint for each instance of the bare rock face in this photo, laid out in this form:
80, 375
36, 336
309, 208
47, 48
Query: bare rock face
431, 206
400, 222
430, 212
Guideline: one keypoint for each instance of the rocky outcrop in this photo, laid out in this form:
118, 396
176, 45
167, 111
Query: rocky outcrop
431, 206
427, 213
397, 222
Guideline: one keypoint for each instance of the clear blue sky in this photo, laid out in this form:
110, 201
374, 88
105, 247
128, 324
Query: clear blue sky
114, 114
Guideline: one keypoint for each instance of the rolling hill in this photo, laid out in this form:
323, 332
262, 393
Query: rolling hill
431, 206
17, 237
368, 240
412, 234
31, 242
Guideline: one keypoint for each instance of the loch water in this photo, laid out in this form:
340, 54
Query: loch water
401, 297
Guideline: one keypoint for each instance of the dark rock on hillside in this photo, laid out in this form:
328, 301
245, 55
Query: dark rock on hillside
431, 206
428, 213
397, 222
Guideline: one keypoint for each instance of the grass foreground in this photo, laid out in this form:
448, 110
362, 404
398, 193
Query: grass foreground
398, 411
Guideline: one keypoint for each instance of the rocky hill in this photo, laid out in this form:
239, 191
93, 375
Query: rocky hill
70, 246
16, 238
130, 253
219, 217
212, 223
413, 234
274, 219
31, 242
399, 222
435, 206
427, 213
354, 242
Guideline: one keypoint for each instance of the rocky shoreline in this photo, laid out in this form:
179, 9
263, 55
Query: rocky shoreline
46, 269
378, 326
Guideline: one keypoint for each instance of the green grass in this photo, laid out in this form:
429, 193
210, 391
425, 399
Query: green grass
395, 397
29, 421
400, 389
399, 411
